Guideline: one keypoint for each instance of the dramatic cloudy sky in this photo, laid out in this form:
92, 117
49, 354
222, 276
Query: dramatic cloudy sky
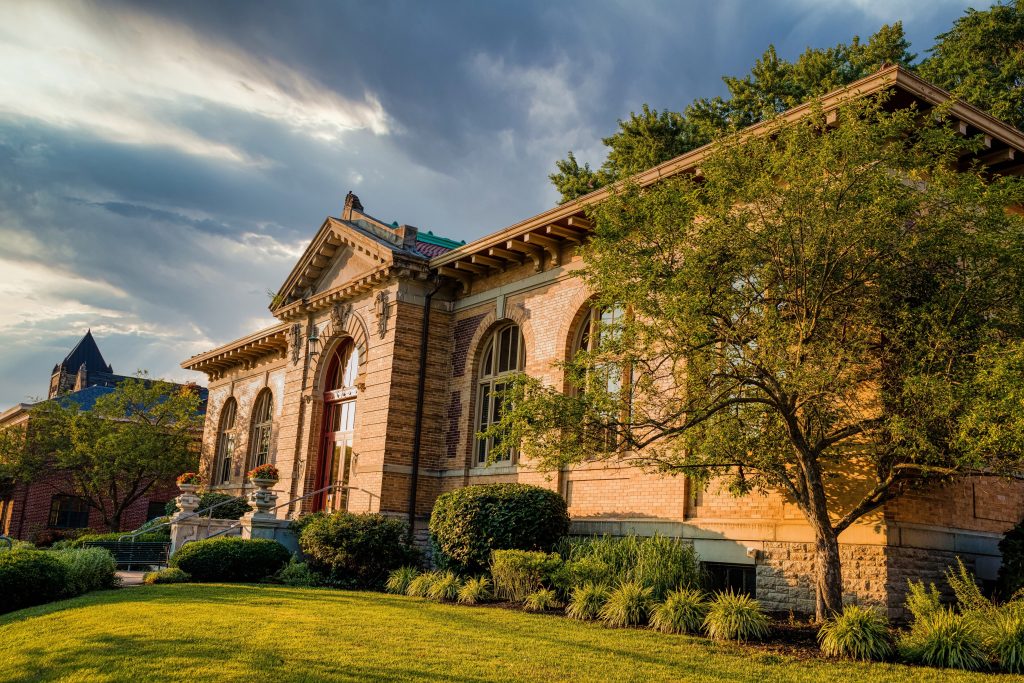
163, 164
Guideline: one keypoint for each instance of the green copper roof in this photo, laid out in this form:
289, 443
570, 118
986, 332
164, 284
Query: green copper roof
430, 238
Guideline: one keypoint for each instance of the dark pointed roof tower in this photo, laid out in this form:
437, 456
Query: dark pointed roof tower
86, 351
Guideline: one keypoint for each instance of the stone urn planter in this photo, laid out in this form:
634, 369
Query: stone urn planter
263, 499
188, 500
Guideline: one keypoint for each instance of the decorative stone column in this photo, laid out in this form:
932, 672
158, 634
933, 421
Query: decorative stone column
183, 521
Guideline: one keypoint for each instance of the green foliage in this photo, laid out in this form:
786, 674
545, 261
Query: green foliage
922, 602
966, 589
141, 433
419, 586
733, 616
469, 523
445, 587
658, 562
168, 575
231, 507
944, 639
475, 591
628, 604
518, 573
586, 601
543, 600
1011, 572
1003, 636
161, 536
980, 59
683, 611
231, 558
399, 579
87, 569
356, 550
30, 577
772, 86
857, 633
298, 573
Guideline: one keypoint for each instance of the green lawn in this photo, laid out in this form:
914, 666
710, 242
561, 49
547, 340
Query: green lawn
268, 633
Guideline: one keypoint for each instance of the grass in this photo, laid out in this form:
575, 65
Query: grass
217, 632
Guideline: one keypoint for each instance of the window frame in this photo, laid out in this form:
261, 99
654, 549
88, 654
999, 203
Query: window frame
261, 429
57, 502
227, 441
587, 339
495, 368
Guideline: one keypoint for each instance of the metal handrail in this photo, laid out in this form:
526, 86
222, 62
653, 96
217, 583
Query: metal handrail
8, 540
194, 513
277, 507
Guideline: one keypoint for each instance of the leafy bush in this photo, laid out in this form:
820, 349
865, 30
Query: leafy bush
168, 575
542, 601
475, 590
857, 633
922, 602
399, 579
29, 577
231, 558
587, 600
230, 507
160, 536
445, 587
469, 523
735, 616
658, 562
1011, 573
683, 611
966, 589
419, 587
518, 573
356, 550
628, 604
87, 569
298, 573
944, 639
1003, 637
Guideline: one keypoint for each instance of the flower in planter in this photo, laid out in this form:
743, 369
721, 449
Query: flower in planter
267, 471
189, 478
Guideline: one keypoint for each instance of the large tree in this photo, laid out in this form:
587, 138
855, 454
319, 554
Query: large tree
830, 312
773, 85
143, 432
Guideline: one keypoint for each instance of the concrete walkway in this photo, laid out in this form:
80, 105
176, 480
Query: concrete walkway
131, 578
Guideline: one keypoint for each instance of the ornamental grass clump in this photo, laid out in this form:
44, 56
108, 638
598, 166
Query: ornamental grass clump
857, 633
518, 573
419, 586
445, 587
628, 604
543, 600
586, 601
945, 639
683, 611
475, 591
736, 616
399, 579
1003, 637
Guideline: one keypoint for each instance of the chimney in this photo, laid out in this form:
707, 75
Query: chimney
352, 203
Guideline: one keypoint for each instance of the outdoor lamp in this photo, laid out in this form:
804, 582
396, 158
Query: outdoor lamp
314, 342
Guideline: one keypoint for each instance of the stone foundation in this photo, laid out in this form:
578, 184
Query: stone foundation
785, 576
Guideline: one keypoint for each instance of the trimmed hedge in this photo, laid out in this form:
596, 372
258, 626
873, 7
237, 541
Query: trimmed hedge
356, 550
231, 559
227, 510
162, 536
469, 523
30, 577
87, 569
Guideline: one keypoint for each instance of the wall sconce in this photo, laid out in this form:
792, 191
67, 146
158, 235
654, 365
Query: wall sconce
313, 342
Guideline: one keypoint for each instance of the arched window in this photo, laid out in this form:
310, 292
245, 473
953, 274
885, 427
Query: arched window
600, 321
225, 443
502, 357
338, 432
259, 436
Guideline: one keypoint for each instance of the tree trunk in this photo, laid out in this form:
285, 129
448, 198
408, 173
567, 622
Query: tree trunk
114, 522
828, 577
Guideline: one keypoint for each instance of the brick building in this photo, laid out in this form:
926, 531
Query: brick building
43, 510
392, 345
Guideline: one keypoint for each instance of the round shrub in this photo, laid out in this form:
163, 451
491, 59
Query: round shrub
231, 559
168, 575
356, 550
469, 523
87, 569
736, 616
298, 573
857, 633
683, 611
29, 577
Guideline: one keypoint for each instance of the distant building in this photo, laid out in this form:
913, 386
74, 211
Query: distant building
42, 511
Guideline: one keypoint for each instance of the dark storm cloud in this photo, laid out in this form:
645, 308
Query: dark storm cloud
156, 183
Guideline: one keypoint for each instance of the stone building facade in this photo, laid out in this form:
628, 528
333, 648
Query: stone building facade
391, 347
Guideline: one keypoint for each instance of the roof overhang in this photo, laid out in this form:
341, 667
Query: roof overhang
543, 236
245, 351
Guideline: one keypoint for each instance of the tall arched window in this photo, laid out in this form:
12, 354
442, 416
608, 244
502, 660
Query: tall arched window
600, 321
503, 355
259, 436
225, 443
338, 432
